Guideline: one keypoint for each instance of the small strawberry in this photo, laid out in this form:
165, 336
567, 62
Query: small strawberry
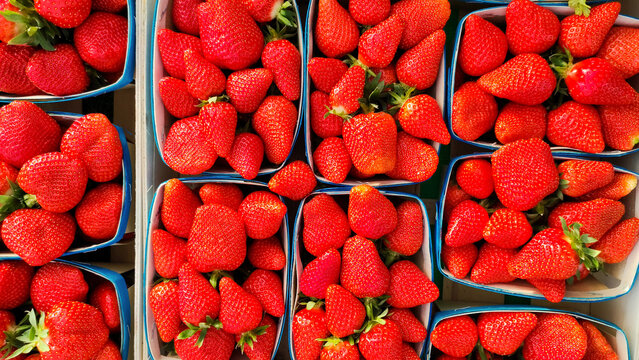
261, 348
382, 341
178, 208
43, 70
247, 88
102, 41
332, 159
262, 213
492, 265
371, 140
294, 181
275, 121
422, 18
176, 97
581, 177
409, 286
345, 314
267, 254
420, 116
345, 95
213, 343
620, 125
408, 236
184, 16
219, 120
320, 273
110, 351
13, 76
598, 346
459, 260
517, 122
336, 33
187, 148
266, 286
198, 298
369, 12
15, 282
583, 35
618, 242
508, 229
454, 196
474, 176
556, 336
326, 225
474, 111
595, 81
363, 272
377, 46
336, 349
164, 301
416, 160
530, 28
105, 298
66, 14
455, 336
483, 47
247, 153
370, 214
240, 311
98, 214
172, 46
413, 331
308, 325
323, 125
419, 66
466, 224
552, 290
203, 79
221, 193
621, 185
503, 333
595, 216
283, 59
621, 51
325, 72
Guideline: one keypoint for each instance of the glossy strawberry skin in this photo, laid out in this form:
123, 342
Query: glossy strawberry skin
363, 273
547, 340
370, 213
474, 111
294, 181
325, 72
621, 185
583, 36
110, 351
64, 14
503, 332
15, 281
369, 12
345, 95
371, 140
420, 116
284, 61
408, 236
530, 28
247, 154
178, 208
172, 46
620, 125
595, 81
187, 149
176, 97
13, 77
198, 298
552, 290
203, 79
459, 260
517, 122
598, 346
184, 16
55, 283
262, 213
336, 33
104, 297
419, 66
585, 176
422, 18
508, 228
416, 160
466, 224
266, 286
409, 286
322, 125
240, 311
377, 46
455, 336
621, 51
332, 159
596, 216
340, 351
618, 242
413, 331
326, 225
165, 306
483, 47
247, 88
344, 312
221, 193
474, 176
320, 273
217, 345
492, 265
307, 326
98, 214
383, 341
267, 254
101, 41
275, 122
219, 121
265, 344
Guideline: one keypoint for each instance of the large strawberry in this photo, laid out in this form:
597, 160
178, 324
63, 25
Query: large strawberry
459, 260
164, 302
517, 122
198, 299
595, 216
474, 176
579, 177
557, 336
371, 140
219, 120
336, 33
66, 14
203, 79
455, 336
345, 314
377, 46
419, 66
598, 346
408, 236
15, 281
503, 332
409, 286
368, 12
595, 81
59, 72
416, 160
215, 344
370, 214
247, 153
320, 273
284, 61
620, 125
583, 35
326, 225
474, 111
261, 347
422, 18
13, 77
187, 148
325, 72
267, 288
420, 116
382, 341
508, 228
240, 311
267, 254
621, 51
275, 122
466, 224
262, 213
618, 242
178, 208
221, 193
308, 325
332, 159
345, 95
176, 97
172, 46
492, 265
363, 271
56, 282
247, 88
530, 28
412, 329
294, 181
104, 297
483, 47
102, 41
183, 14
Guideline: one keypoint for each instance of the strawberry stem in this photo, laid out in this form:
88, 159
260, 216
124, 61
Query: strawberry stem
250, 337
202, 328
580, 6
579, 242
16, 199
37, 31
31, 335
286, 16
217, 275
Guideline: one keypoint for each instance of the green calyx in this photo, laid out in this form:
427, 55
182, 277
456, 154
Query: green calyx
311, 303
250, 337
334, 341
399, 94
286, 15
542, 209
37, 31
375, 312
213, 100
278, 33
580, 7
30, 334
217, 275
561, 63
16, 199
202, 328
390, 257
579, 242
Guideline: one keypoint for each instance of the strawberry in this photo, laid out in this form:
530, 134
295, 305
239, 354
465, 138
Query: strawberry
172, 46
275, 122
595, 216
323, 125
474, 176
526, 79
408, 236
266, 286
419, 66
66, 14
217, 240
283, 59
552, 290
176, 97
336, 33
483, 47
43, 70
247, 88
620, 50
508, 229
345, 314
8, 173
308, 325
215, 344
581, 176
459, 260
230, 37
413, 331
524, 173
620, 127
455, 336
240, 311
198, 298
422, 18
247, 153
416, 160
409, 353
203, 79
26, 131
294, 181
371, 140
420, 116
454, 196
164, 301
491, 265
370, 213
104, 297
110, 351
221, 193
621, 185
184, 16
15, 281
95, 141
344, 97
503, 332
326, 225
474, 111
556, 336
363, 272
13, 76
262, 213
616, 244
598, 346
377, 46
261, 348
325, 72
219, 120
102, 41
187, 149
264, 11
10, 29
320, 273
369, 12
466, 224
336, 349
388, 74
267, 254
584, 35
332, 159
595, 81
382, 341
409, 286
530, 28
178, 208
517, 122
55, 283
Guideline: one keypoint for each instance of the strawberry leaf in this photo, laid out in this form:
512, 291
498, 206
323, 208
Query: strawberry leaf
580, 6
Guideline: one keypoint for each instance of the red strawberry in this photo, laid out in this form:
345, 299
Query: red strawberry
508, 228
323, 125
267, 254
98, 214
409, 286
247, 153
198, 298
165, 306
178, 208
552, 290
620, 125
369, 12
247, 88
419, 66
584, 35
66, 14
454, 196
219, 120
344, 97
466, 224
176, 97
413, 331
598, 346
294, 181
420, 116
389, 74
595, 81
55, 283
264, 11
526, 79
284, 61
483, 47
371, 140
203, 79
382, 341
517, 122
262, 213
336, 33
105, 299
422, 18
408, 236
44, 71
326, 225
595, 216
556, 336
345, 314
266, 286
110, 351
370, 214
530, 28
320, 273
325, 72
581, 177
336, 349
223, 194
240, 311
172, 46
230, 37
217, 240
524, 173
491, 265
10, 29
455, 336
618, 242
503, 332
13, 76
15, 281
474, 176
474, 111
184, 16
459, 260
621, 185
377, 46
409, 353
261, 348
621, 51
332, 159
307, 326
8, 173
275, 122
216, 344
363, 271
187, 148
102, 41
416, 160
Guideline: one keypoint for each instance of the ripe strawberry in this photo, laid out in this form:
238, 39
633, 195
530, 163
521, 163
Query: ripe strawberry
8, 173
595, 216
294, 181
345, 314
221, 193
408, 236
240, 311
377, 46
55, 283
284, 61
581, 176
336, 33
382, 341
307, 326
247, 153
164, 301
105, 299
320, 273
503, 332
217, 240
459, 260
370, 214
178, 208
474, 176
261, 348
198, 298
363, 272
10, 29
620, 125
508, 228
524, 173
483, 47
13, 76
455, 336
172, 46
102, 41
491, 265
187, 148
176, 97
552, 290
230, 37
388, 76
598, 346
474, 111
584, 35
621, 185
44, 71
326, 225
420, 116
621, 51
371, 140
618, 242
369, 12
216, 344
275, 122
422, 18
264, 11
267, 254
323, 125
556, 336
466, 224
184, 16
15, 281
266, 286
336, 349
325, 72
203, 79
262, 213
409, 286
454, 196
332, 159
110, 351
530, 28
413, 331
595, 81
516, 122
419, 66
247, 88
409, 353
416, 160
219, 120
64, 13
344, 97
